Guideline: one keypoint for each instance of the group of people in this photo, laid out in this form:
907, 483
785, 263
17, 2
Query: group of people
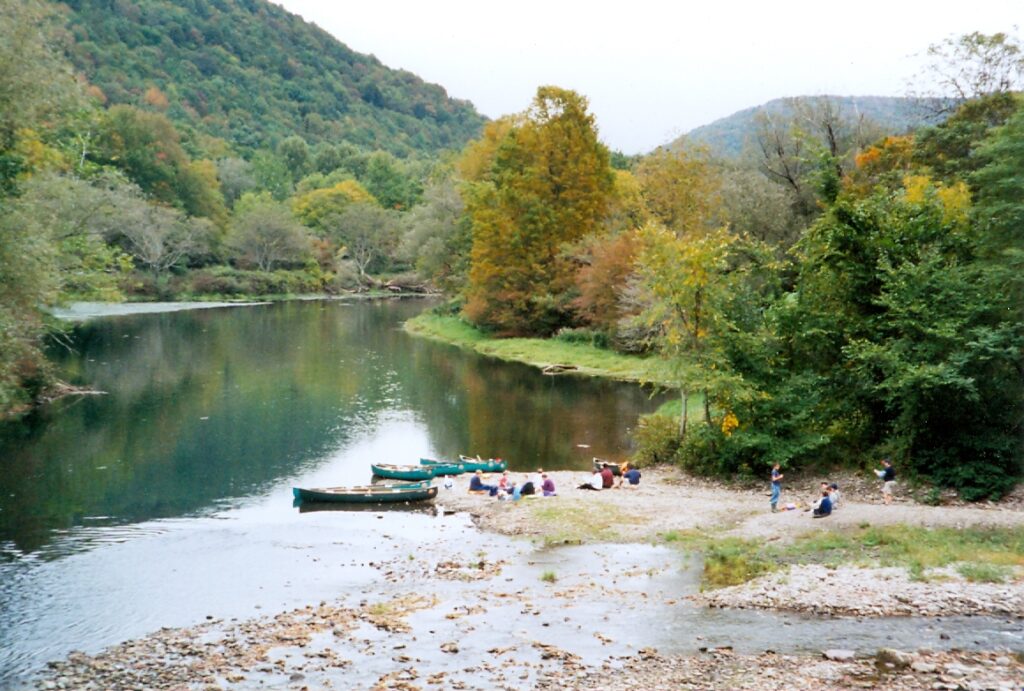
507, 488
604, 477
829, 498
541, 483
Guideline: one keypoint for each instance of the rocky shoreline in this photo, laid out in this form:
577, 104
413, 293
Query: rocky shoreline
860, 592
412, 640
327, 647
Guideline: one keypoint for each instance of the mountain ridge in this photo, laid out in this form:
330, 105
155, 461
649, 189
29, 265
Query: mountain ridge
252, 73
727, 136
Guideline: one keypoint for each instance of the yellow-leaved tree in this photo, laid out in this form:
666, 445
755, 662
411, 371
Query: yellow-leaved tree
533, 184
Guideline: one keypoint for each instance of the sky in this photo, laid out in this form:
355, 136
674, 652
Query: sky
655, 70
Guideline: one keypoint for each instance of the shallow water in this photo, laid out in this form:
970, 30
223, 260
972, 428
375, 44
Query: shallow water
169, 498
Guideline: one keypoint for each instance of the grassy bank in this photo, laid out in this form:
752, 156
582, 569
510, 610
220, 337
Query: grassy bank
540, 352
980, 554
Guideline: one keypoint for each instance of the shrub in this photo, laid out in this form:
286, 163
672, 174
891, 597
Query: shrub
591, 337
657, 440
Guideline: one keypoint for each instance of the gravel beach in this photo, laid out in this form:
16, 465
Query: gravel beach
405, 636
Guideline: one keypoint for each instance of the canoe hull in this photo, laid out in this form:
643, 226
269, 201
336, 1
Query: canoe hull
403, 472
371, 494
443, 467
488, 465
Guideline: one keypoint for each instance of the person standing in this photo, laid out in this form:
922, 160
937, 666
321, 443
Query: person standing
888, 476
776, 486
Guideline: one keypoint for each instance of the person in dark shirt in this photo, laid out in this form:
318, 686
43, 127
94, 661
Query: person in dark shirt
547, 486
824, 506
776, 486
631, 475
607, 478
888, 475
476, 484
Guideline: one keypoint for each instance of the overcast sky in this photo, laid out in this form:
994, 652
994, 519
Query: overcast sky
655, 70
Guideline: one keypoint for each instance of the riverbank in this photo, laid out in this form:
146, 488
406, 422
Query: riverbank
867, 559
593, 604
327, 646
547, 354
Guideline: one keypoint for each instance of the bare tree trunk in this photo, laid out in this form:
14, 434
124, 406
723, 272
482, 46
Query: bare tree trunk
707, 408
682, 415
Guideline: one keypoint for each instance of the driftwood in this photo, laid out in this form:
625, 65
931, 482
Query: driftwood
61, 389
559, 369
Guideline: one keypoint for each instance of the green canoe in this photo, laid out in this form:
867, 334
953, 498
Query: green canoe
444, 467
488, 465
368, 494
403, 472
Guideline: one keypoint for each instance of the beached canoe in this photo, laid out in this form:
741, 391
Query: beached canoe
444, 467
488, 465
368, 494
403, 472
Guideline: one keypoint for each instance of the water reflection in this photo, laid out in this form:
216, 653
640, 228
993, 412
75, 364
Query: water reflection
208, 407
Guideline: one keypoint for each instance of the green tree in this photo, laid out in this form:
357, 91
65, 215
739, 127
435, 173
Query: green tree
546, 183
264, 234
367, 234
688, 284
437, 237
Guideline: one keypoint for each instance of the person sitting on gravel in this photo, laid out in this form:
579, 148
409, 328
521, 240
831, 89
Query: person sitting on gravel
595, 481
527, 488
505, 483
607, 478
547, 487
834, 495
630, 474
824, 506
476, 485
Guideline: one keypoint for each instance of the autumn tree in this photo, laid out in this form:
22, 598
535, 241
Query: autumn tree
689, 283
315, 207
546, 182
680, 189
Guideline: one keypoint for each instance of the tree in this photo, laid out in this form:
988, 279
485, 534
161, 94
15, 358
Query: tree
265, 234
390, 182
608, 262
236, 178
542, 180
78, 218
160, 237
367, 234
688, 284
974, 65
294, 153
680, 189
36, 83
437, 236
809, 149
315, 207
147, 147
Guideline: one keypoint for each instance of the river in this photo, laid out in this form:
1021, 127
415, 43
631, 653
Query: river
167, 501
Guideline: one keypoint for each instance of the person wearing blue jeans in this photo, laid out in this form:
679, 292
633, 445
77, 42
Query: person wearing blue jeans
776, 486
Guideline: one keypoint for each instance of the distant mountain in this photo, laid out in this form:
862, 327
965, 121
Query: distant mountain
252, 73
727, 136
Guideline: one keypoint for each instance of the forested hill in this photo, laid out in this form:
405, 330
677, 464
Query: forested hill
252, 73
727, 136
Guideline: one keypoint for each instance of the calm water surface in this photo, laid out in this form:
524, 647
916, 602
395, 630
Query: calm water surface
169, 498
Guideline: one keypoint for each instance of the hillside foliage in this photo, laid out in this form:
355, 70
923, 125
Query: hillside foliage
252, 74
